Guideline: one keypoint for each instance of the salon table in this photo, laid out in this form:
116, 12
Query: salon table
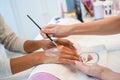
108, 48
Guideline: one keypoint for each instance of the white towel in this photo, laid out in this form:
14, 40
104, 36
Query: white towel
114, 60
65, 72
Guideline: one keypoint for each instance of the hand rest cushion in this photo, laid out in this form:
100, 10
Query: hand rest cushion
43, 76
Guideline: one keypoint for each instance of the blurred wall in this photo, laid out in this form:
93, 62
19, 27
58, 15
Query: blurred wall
15, 11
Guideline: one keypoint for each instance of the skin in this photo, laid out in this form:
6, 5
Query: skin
98, 71
67, 55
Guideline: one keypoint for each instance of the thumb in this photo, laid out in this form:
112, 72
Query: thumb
47, 30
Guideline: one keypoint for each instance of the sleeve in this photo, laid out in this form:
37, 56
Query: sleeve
5, 69
9, 39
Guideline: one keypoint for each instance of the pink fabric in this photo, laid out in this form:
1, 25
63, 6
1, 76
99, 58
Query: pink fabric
43, 76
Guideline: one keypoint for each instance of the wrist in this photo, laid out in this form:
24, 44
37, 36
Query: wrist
84, 29
79, 28
38, 58
73, 29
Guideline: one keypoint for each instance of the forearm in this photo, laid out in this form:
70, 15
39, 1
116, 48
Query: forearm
25, 62
101, 27
110, 75
32, 45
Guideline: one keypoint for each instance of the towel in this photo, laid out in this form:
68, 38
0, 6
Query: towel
114, 60
67, 72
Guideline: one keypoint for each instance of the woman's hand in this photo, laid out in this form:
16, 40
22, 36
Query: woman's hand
65, 56
47, 44
55, 30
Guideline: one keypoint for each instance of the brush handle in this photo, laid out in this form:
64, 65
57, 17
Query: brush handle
40, 29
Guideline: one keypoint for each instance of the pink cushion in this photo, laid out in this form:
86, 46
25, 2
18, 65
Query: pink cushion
43, 76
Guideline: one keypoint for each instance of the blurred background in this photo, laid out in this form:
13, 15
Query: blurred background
42, 11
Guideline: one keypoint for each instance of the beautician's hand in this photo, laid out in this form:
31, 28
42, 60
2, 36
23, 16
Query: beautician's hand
55, 30
98, 71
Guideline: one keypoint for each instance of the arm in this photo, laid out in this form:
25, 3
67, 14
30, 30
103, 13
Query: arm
108, 74
98, 71
32, 45
100, 27
66, 56
25, 62
11, 42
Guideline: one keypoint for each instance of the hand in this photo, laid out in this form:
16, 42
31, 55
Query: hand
92, 70
47, 44
98, 71
55, 30
66, 56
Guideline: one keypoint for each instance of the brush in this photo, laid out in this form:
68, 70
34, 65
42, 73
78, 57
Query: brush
41, 29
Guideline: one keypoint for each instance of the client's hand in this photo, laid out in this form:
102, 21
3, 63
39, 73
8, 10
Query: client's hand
93, 70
